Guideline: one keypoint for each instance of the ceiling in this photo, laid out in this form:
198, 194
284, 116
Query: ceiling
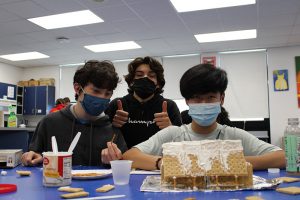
153, 24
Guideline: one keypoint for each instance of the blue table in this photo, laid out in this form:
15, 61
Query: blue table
32, 188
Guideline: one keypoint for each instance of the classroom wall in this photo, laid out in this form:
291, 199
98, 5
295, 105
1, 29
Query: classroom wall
10, 74
283, 104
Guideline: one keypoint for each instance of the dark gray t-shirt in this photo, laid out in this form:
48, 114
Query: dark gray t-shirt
251, 144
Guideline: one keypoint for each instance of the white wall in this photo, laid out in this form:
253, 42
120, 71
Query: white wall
10, 74
283, 105
43, 72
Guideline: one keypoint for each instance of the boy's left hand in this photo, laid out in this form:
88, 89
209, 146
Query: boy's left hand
162, 119
112, 152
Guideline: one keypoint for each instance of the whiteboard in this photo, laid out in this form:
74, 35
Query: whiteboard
67, 74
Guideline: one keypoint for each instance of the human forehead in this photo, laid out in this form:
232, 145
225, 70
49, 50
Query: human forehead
92, 87
144, 68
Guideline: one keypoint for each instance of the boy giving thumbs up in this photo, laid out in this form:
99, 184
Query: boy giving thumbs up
144, 111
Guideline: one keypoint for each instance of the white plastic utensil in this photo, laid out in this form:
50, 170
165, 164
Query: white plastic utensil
102, 197
54, 145
74, 142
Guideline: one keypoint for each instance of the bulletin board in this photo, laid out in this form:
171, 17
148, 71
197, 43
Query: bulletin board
8, 90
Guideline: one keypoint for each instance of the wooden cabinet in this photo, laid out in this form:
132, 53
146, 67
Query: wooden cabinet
38, 100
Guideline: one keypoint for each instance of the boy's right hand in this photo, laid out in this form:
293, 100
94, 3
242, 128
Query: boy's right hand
31, 158
121, 116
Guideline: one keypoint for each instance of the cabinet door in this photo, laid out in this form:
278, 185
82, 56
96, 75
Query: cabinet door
41, 96
50, 98
29, 101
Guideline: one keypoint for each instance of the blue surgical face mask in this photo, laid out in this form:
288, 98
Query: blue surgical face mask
204, 114
94, 105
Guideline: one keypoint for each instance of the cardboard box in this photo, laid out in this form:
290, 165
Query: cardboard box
47, 81
33, 82
23, 83
10, 158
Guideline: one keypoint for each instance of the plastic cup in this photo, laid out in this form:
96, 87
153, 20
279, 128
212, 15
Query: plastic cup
121, 171
57, 169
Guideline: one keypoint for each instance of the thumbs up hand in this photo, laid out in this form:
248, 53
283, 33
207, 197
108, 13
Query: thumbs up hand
162, 119
121, 116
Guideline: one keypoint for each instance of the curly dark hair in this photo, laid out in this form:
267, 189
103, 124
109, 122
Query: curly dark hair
154, 65
202, 79
101, 74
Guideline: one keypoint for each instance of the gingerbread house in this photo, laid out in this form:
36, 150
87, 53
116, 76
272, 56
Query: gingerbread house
206, 164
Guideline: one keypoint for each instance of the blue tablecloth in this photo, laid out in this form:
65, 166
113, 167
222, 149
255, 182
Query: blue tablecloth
31, 188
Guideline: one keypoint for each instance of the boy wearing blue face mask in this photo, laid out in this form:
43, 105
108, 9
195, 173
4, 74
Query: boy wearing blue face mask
99, 142
203, 87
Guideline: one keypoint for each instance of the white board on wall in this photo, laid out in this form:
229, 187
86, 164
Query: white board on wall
66, 82
247, 92
174, 68
67, 74
122, 70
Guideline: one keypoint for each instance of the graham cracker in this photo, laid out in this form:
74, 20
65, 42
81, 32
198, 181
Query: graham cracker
289, 190
75, 195
288, 179
105, 188
69, 189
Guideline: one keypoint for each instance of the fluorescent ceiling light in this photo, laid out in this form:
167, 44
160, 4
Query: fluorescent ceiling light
67, 19
71, 64
192, 5
24, 56
242, 51
184, 55
123, 60
117, 46
226, 36
79, 64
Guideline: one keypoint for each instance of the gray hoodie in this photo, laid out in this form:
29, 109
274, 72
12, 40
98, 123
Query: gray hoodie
64, 126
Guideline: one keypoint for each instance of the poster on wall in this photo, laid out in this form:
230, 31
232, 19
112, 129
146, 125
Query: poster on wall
297, 61
209, 60
280, 78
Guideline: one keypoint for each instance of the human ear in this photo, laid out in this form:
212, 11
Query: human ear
76, 88
222, 99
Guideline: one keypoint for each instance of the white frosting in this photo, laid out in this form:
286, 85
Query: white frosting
206, 152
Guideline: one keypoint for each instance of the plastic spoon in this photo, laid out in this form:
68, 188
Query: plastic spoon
54, 145
74, 142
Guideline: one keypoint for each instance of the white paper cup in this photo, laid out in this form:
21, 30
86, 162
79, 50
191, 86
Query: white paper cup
121, 171
57, 169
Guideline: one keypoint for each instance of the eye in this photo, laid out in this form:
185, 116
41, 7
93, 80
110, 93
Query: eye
152, 76
139, 75
108, 93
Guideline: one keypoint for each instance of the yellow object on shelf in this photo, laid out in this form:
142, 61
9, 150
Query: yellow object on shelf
12, 119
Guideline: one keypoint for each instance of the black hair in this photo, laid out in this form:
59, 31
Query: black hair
67, 100
59, 101
202, 79
101, 74
154, 65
